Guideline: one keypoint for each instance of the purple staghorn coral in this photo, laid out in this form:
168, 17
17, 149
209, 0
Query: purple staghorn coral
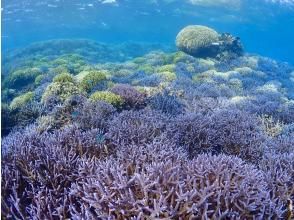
77, 174
38, 169
279, 174
208, 187
93, 114
229, 131
136, 126
167, 103
133, 99
283, 143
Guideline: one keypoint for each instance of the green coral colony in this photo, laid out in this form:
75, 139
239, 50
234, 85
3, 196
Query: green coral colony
205, 132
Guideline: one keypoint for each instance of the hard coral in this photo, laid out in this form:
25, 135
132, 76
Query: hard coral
108, 97
229, 131
63, 78
7, 122
92, 79
27, 114
61, 89
279, 174
21, 100
201, 41
93, 114
86, 159
148, 69
152, 80
136, 126
197, 40
133, 99
167, 76
38, 169
205, 188
21, 78
166, 102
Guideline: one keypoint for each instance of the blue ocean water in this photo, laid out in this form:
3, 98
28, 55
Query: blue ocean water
265, 26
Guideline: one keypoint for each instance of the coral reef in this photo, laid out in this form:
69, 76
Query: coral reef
201, 188
152, 135
141, 180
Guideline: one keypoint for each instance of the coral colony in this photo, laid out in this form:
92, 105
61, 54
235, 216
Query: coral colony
206, 132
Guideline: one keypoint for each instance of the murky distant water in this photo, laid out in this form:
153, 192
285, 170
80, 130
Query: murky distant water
265, 27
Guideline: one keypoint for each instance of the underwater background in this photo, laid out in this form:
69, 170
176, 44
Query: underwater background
265, 26
147, 109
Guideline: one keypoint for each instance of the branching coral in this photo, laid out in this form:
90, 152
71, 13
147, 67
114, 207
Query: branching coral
38, 169
22, 100
92, 79
85, 147
21, 78
279, 174
166, 103
270, 126
133, 99
108, 97
93, 114
136, 127
206, 187
27, 114
153, 80
60, 115
63, 86
21, 112
167, 76
61, 175
63, 77
283, 143
7, 122
230, 131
